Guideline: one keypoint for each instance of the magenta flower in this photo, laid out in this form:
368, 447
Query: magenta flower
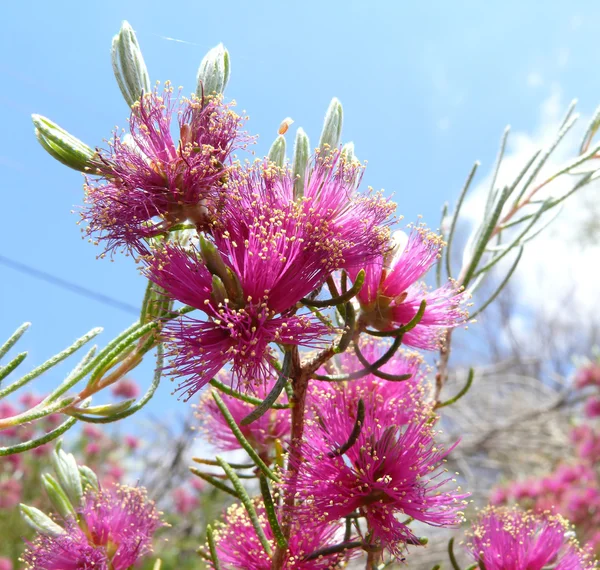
510, 539
592, 407
388, 472
262, 433
68, 551
153, 179
239, 330
185, 502
392, 292
10, 493
116, 529
126, 388
238, 546
5, 563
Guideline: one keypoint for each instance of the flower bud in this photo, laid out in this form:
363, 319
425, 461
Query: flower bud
88, 477
128, 65
67, 471
277, 151
348, 152
332, 127
57, 496
63, 146
213, 73
300, 162
40, 522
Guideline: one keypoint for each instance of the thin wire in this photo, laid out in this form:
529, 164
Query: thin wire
73, 287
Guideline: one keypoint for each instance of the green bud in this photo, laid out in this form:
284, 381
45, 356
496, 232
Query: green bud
128, 65
88, 478
106, 410
300, 162
213, 73
332, 127
68, 475
40, 522
63, 146
348, 152
219, 293
277, 151
57, 496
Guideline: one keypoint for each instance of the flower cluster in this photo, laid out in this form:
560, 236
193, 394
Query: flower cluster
370, 450
572, 489
113, 530
512, 539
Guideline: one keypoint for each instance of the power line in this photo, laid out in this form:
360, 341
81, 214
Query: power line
73, 287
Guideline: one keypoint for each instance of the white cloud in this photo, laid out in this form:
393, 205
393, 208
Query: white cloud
555, 265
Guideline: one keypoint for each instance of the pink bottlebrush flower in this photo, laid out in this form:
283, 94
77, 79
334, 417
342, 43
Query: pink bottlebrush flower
5, 563
198, 484
68, 551
10, 493
588, 375
237, 330
510, 539
347, 228
238, 546
132, 442
126, 388
92, 432
121, 522
262, 433
153, 179
30, 400
184, 501
42, 450
499, 496
7, 410
392, 292
592, 407
390, 471
93, 448
396, 402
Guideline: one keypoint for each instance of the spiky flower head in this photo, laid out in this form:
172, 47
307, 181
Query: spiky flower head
511, 539
113, 531
263, 433
152, 178
386, 472
238, 546
393, 292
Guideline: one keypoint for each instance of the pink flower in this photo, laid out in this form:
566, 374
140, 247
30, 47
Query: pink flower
7, 410
5, 563
262, 433
184, 501
198, 484
588, 375
239, 330
68, 551
388, 472
10, 493
92, 432
238, 546
126, 389
154, 180
592, 407
132, 442
30, 400
119, 524
392, 293
92, 448
509, 539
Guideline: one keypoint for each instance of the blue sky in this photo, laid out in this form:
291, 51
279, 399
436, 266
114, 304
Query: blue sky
427, 88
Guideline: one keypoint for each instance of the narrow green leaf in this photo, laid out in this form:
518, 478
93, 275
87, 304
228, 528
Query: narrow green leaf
50, 363
247, 502
271, 514
240, 437
32, 444
458, 396
14, 337
272, 396
12, 365
244, 397
341, 299
213, 549
214, 482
